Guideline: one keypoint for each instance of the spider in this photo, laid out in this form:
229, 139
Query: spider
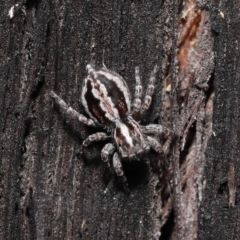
107, 100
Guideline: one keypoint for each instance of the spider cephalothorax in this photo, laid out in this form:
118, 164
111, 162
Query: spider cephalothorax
107, 100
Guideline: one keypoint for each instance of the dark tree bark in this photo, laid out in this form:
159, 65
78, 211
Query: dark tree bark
53, 188
219, 214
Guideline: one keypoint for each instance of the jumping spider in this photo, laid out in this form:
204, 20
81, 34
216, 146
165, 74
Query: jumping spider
107, 100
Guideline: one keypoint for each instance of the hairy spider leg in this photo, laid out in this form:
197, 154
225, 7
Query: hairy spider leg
107, 150
156, 129
150, 89
154, 144
99, 136
117, 165
70, 111
137, 103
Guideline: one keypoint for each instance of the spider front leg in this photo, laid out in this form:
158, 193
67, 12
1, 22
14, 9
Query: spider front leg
154, 144
117, 165
137, 103
150, 89
70, 111
107, 150
100, 136
156, 129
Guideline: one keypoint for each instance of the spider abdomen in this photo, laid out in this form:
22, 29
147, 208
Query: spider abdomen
105, 96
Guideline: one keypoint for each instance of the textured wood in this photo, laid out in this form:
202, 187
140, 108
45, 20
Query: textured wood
50, 187
219, 213
53, 188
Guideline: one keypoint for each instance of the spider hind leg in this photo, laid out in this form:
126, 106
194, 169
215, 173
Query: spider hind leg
66, 109
150, 90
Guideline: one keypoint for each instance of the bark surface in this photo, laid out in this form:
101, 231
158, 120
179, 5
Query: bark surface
53, 188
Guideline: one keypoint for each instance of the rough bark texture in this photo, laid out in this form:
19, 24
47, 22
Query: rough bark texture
219, 213
53, 188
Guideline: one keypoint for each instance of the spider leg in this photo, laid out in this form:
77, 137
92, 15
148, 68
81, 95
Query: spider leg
156, 129
70, 111
150, 89
166, 145
117, 165
99, 136
137, 103
107, 150
154, 144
